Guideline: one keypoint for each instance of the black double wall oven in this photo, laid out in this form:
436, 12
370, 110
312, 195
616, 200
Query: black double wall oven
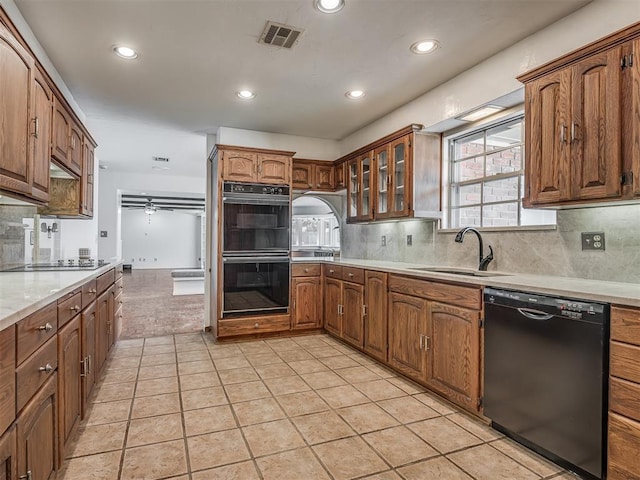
255, 249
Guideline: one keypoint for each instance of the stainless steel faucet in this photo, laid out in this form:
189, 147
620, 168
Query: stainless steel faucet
484, 261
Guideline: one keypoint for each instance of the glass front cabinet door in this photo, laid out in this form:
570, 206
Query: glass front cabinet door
383, 202
359, 189
400, 184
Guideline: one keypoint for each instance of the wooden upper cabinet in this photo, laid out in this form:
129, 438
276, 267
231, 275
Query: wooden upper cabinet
547, 138
240, 166
595, 131
255, 166
61, 133
401, 176
360, 186
340, 175
274, 169
16, 104
76, 146
582, 124
302, 175
453, 353
312, 175
87, 185
42, 110
324, 177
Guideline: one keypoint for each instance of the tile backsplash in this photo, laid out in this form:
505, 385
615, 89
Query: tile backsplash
548, 252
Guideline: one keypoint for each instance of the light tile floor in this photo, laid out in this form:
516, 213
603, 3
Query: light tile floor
302, 408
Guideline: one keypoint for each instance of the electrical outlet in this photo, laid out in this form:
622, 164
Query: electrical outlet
103, 234
409, 240
383, 240
593, 241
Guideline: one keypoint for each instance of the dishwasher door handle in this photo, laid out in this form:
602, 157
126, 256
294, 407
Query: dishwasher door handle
535, 314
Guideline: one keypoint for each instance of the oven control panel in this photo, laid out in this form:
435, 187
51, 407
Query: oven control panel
255, 188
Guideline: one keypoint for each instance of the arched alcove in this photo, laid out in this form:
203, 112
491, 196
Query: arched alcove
315, 226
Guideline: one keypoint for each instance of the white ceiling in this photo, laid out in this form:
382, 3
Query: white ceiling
194, 55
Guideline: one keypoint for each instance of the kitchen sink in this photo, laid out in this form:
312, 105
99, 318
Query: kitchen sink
460, 271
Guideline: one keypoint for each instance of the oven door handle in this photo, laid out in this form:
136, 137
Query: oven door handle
253, 199
247, 259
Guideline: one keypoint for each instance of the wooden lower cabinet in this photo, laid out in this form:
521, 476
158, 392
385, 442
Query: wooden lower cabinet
88, 332
624, 445
333, 306
103, 325
37, 434
7, 378
70, 369
307, 303
452, 346
353, 313
9, 455
407, 329
375, 319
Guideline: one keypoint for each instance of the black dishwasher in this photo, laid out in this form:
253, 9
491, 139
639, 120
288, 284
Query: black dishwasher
545, 375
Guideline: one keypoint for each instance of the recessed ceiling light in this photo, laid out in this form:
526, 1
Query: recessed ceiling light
479, 113
424, 46
246, 94
329, 6
125, 52
354, 94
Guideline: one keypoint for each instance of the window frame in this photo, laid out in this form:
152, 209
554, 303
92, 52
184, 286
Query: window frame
448, 148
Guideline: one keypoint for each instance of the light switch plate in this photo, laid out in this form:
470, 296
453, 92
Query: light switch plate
593, 241
409, 240
383, 240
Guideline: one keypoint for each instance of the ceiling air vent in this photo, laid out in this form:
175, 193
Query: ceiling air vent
280, 35
161, 159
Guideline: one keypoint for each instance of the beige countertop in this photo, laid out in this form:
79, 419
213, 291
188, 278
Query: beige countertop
580, 288
22, 293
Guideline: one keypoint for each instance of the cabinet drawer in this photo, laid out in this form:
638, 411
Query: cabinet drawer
332, 271
624, 444
625, 361
625, 325
469, 297
34, 330
351, 274
246, 326
89, 293
69, 307
305, 269
105, 280
624, 398
35, 371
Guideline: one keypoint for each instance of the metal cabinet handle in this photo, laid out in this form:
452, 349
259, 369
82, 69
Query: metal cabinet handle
88, 364
83, 367
93, 291
421, 342
351, 275
46, 369
563, 133
257, 325
47, 327
332, 271
364, 310
28, 476
574, 129
36, 131
75, 308
426, 343
306, 270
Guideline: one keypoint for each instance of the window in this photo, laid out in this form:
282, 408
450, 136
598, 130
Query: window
486, 178
315, 231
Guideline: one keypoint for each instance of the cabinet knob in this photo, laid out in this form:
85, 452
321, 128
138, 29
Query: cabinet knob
351, 275
46, 369
257, 325
332, 271
93, 291
306, 270
46, 327
75, 308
